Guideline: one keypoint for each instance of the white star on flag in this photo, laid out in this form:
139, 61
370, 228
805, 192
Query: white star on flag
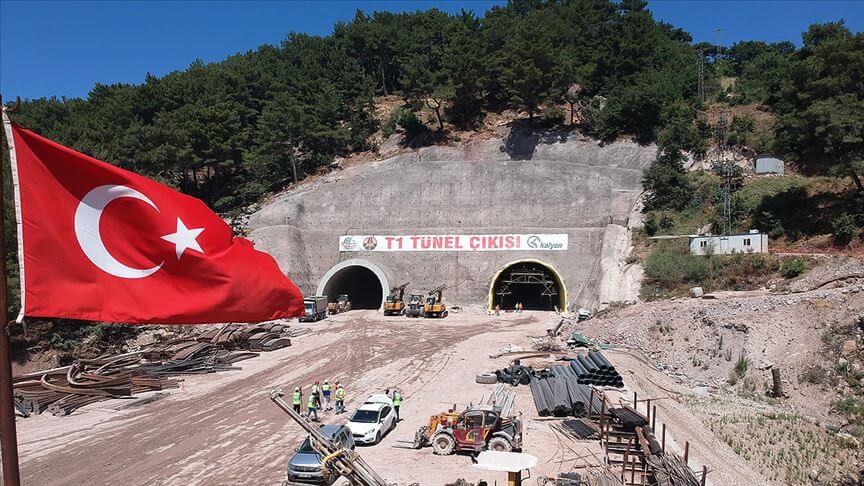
184, 238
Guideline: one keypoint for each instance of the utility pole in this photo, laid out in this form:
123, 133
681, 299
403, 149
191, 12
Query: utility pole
701, 86
726, 170
8, 434
719, 47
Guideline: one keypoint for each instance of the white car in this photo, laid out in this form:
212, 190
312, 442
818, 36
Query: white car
372, 420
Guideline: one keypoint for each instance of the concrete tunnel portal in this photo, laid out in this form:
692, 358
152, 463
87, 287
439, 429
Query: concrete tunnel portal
534, 284
364, 282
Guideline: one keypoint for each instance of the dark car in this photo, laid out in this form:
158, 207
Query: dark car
305, 465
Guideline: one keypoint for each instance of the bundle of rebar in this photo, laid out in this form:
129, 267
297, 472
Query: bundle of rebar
594, 369
63, 390
670, 470
502, 397
577, 429
604, 478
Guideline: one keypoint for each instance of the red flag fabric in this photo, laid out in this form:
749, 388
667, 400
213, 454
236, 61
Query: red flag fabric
97, 242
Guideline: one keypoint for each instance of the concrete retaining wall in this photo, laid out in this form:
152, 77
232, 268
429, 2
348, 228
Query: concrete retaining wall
514, 184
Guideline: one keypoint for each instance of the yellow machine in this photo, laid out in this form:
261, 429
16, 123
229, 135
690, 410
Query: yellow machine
435, 303
394, 305
342, 304
476, 429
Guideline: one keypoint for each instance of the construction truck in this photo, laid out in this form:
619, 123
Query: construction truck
477, 429
414, 308
336, 460
342, 304
435, 303
394, 305
315, 307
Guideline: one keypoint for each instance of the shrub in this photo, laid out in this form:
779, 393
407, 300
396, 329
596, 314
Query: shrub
852, 408
792, 268
814, 374
741, 366
843, 227
404, 118
670, 269
660, 222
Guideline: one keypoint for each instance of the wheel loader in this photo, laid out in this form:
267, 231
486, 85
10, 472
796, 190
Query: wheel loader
394, 305
476, 429
342, 304
435, 306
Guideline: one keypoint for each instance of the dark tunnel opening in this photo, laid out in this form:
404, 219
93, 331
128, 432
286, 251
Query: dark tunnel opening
533, 285
359, 283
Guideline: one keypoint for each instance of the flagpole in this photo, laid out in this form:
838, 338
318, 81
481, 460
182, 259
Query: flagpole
8, 434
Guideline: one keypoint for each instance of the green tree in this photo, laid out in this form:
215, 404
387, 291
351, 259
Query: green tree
465, 65
424, 79
821, 107
740, 129
531, 67
666, 183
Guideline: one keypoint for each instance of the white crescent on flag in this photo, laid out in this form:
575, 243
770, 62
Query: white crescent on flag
87, 218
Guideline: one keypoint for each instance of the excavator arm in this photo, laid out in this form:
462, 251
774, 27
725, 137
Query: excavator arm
400, 290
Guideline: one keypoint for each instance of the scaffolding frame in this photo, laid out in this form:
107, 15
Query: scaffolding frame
526, 276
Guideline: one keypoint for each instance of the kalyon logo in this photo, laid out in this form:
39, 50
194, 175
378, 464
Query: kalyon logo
349, 243
535, 242
370, 243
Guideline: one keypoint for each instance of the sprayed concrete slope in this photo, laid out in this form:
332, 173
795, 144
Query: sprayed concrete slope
514, 184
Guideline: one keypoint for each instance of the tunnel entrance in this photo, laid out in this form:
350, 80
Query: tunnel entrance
360, 283
532, 283
364, 282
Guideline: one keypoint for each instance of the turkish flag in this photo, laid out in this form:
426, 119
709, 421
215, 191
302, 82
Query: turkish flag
100, 243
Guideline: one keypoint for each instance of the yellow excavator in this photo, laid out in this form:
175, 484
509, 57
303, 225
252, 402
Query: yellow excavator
435, 306
394, 305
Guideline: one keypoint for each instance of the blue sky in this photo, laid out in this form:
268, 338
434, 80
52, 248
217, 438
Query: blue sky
64, 48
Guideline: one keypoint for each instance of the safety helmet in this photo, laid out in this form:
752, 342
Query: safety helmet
296, 388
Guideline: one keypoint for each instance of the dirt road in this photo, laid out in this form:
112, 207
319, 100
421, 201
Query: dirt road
223, 430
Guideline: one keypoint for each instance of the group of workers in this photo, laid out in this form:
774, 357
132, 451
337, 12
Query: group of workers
518, 307
319, 398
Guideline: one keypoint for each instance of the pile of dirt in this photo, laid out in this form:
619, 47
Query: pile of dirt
721, 351
701, 341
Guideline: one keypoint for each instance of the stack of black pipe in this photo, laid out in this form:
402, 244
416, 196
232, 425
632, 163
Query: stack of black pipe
515, 374
559, 393
594, 369
580, 393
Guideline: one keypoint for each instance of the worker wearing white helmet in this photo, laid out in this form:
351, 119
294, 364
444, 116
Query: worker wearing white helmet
297, 399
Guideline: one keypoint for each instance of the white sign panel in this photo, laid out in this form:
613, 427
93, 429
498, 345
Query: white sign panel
526, 242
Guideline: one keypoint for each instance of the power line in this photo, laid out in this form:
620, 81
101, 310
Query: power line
727, 170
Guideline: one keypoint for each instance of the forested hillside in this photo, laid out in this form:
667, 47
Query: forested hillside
232, 131
228, 132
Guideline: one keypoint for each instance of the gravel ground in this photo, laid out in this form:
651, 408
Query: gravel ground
223, 430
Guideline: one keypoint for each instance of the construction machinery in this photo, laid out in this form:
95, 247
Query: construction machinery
435, 303
315, 308
394, 305
414, 308
342, 304
337, 461
476, 429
